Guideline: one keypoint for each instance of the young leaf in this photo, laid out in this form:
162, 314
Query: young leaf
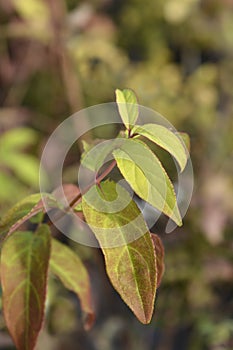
159, 252
67, 266
24, 266
165, 139
94, 157
128, 106
86, 146
146, 175
78, 207
131, 265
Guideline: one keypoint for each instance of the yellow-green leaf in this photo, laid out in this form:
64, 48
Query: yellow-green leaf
24, 266
16, 139
128, 106
68, 267
130, 263
146, 175
186, 139
25, 167
159, 250
166, 139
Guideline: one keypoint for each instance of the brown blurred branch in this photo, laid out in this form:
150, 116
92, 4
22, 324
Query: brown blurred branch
69, 76
66, 66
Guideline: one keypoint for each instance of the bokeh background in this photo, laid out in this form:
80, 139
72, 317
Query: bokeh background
59, 56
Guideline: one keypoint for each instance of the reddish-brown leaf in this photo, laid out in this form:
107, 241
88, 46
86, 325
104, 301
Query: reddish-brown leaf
32, 205
127, 246
24, 266
25, 210
159, 252
19, 213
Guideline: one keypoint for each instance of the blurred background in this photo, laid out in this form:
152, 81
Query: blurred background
59, 56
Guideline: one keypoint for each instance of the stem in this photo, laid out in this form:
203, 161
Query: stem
66, 66
106, 172
97, 181
79, 196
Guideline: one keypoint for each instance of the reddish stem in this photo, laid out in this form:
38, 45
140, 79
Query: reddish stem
79, 195
97, 181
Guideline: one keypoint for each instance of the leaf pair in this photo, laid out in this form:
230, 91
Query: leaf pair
146, 175
142, 170
136, 162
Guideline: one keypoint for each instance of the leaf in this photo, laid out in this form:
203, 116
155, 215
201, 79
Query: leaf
128, 106
24, 266
159, 252
146, 175
19, 211
127, 247
78, 207
86, 146
23, 211
12, 143
68, 267
26, 168
94, 157
10, 184
17, 139
186, 139
165, 139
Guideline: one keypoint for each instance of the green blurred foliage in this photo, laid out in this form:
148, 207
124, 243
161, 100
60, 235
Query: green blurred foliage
19, 170
58, 56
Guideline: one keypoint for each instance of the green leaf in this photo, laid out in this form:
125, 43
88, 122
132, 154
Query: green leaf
146, 175
94, 157
159, 252
25, 167
186, 139
165, 139
9, 185
78, 207
68, 267
128, 106
127, 247
24, 266
17, 139
86, 146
